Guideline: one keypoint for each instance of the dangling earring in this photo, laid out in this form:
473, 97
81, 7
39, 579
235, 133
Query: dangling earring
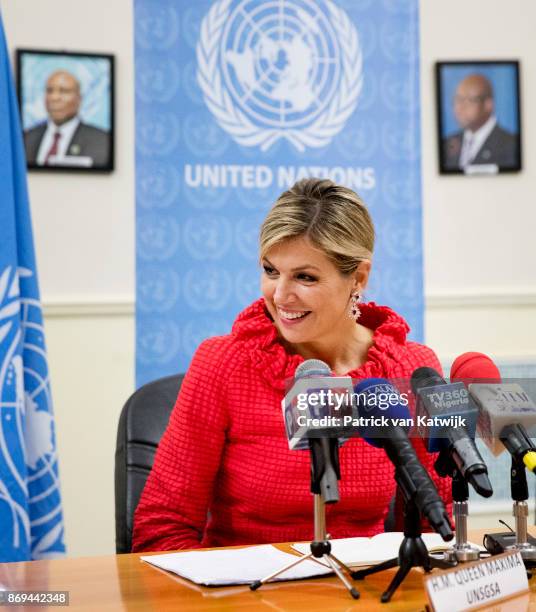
353, 309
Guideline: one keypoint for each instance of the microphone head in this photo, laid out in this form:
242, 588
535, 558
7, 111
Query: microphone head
377, 398
502, 405
312, 367
425, 377
474, 367
317, 405
437, 401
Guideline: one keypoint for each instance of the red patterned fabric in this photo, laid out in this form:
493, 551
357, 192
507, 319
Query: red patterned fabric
223, 473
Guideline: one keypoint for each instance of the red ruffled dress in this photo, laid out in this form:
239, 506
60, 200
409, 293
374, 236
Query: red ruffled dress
223, 473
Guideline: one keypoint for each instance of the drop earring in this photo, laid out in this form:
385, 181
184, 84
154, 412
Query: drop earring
353, 310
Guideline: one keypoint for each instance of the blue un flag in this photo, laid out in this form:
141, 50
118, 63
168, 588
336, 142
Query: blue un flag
31, 519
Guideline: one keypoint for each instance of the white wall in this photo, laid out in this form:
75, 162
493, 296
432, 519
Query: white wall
480, 262
84, 225
84, 235
91, 369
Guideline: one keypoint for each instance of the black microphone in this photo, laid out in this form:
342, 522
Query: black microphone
410, 474
441, 410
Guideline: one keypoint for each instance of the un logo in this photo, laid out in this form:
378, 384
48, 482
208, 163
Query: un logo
279, 69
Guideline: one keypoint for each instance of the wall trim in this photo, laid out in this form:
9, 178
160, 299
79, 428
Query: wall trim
104, 307
436, 300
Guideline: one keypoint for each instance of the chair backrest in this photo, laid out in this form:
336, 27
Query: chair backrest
143, 420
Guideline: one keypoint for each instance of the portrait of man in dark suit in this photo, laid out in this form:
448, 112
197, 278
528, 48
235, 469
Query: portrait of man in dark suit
481, 144
64, 139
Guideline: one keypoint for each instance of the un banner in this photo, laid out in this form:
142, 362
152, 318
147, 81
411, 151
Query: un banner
235, 101
289, 70
31, 521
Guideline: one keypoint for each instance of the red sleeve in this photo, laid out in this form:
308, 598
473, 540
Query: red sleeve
172, 511
421, 355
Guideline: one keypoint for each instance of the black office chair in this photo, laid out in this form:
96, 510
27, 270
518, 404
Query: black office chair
142, 422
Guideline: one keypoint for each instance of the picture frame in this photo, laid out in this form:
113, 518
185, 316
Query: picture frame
66, 102
478, 116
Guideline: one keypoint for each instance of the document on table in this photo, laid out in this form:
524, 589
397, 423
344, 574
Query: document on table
369, 551
228, 566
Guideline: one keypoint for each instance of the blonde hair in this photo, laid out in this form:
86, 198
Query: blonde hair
332, 217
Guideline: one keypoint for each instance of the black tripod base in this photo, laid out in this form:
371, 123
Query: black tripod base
412, 553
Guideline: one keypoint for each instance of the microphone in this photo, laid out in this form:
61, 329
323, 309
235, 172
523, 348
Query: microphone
410, 474
505, 409
316, 404
311, 410
445, 408
472, 366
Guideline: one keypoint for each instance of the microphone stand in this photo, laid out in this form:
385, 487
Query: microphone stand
324, 462
412, 551
520, 494
462, 551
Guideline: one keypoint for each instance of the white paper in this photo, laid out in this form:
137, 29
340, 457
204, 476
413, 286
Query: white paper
235, 566
368, 551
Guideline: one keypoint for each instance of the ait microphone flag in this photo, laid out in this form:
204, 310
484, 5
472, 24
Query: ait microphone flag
31, 519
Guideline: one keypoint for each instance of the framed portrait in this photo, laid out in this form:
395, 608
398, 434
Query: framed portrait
67, 110
478, 117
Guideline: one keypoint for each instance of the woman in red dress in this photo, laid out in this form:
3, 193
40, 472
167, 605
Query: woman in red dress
223, 473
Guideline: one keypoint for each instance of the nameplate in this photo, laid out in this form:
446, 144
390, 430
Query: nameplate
472, 585
481, 169
80, 161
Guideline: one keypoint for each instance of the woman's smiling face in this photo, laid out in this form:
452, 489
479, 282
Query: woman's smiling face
305, 294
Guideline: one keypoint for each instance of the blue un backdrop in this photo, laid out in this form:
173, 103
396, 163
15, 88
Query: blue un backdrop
235, 101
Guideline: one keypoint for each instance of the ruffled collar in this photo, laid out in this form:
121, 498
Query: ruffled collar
271, 360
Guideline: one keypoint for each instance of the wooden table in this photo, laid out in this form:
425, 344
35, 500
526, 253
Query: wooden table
123, 582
